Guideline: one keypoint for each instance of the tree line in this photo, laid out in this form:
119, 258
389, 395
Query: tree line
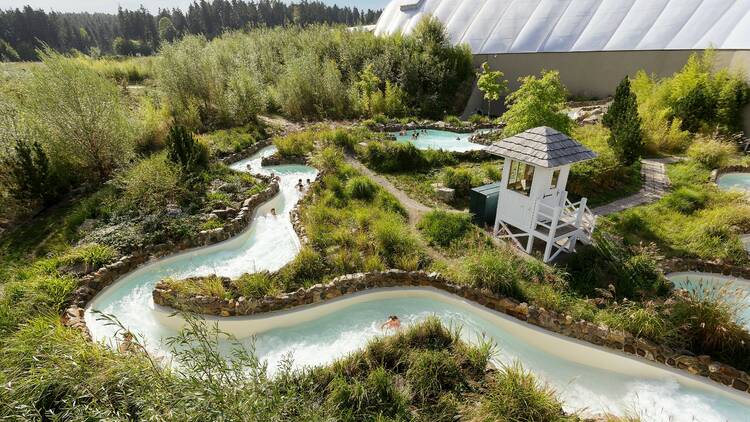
139, 32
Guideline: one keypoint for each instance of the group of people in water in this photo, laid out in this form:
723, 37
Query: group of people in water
300, 187
415, 134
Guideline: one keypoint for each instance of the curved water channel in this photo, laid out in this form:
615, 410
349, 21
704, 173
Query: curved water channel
586, 376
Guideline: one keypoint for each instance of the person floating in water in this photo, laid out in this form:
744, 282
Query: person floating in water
300, 185
273, 211
393, 322
307, 181
127, 344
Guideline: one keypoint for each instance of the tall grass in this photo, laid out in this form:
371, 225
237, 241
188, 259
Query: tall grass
516, 395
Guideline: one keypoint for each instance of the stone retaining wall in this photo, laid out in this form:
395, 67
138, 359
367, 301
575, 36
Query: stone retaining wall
699, 265
245, 153
277, 159
92, 283
550, 320
730, 169
438, 125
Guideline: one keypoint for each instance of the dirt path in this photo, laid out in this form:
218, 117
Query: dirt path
655, 185
414, 209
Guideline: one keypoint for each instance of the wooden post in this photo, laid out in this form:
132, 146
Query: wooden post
551, 236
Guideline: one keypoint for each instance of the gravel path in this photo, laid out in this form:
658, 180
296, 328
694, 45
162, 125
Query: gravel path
655, 185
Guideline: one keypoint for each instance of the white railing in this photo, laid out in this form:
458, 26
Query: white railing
577, 215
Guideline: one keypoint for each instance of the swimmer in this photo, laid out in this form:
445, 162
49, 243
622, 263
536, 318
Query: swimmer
393, 322
273, 211
127, 344
300, 185
308, 181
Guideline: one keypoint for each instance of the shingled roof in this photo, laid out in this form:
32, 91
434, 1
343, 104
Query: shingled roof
543, 147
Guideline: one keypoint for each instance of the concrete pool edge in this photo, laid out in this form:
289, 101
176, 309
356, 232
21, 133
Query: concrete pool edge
551, 321
568, 348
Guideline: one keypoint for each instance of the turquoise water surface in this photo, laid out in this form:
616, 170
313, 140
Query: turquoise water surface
733, 289
439, 139
737, 181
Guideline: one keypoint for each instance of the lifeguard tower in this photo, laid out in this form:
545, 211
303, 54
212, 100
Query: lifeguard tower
532, 201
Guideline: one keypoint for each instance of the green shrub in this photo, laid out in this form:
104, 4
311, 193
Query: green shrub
461, 179
708, 323
255, 285
686, 200
478, 119
431, 373
361, 187
492, 172
185, 151
92, 255
394, 157
211, 286
495, 270
296, 144
149, 185
393, 240
640, 320
306, 268
443, 228
453, 121
373, 398
516, 395
633, 271
711, 152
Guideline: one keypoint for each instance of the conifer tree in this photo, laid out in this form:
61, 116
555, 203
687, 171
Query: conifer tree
183, 150
624, 123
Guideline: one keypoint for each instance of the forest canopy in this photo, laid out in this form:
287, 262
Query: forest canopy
139, 32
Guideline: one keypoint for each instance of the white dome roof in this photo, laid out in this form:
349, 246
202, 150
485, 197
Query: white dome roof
520, 26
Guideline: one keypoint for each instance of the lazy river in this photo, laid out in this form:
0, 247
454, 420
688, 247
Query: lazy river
439, 139
587, 377
734, 181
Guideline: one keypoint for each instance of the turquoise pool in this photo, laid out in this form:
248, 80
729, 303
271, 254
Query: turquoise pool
439, 139
735, 289
587, 377
736, 181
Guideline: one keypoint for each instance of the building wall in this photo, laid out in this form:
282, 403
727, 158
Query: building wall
595, 74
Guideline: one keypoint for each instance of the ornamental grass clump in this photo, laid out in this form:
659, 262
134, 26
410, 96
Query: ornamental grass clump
361, 188
711, 152
496, 270
516, 395
443, 228
707, 318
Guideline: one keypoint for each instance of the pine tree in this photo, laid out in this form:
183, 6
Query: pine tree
30, 172
624, 123
183, 150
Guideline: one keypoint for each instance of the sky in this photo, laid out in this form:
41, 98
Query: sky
110, 6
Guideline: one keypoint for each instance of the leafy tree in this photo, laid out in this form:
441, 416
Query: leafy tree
80, 115
183, 150
29, 169
366, 93
626, 137
167, 31
537, 102
492, 85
